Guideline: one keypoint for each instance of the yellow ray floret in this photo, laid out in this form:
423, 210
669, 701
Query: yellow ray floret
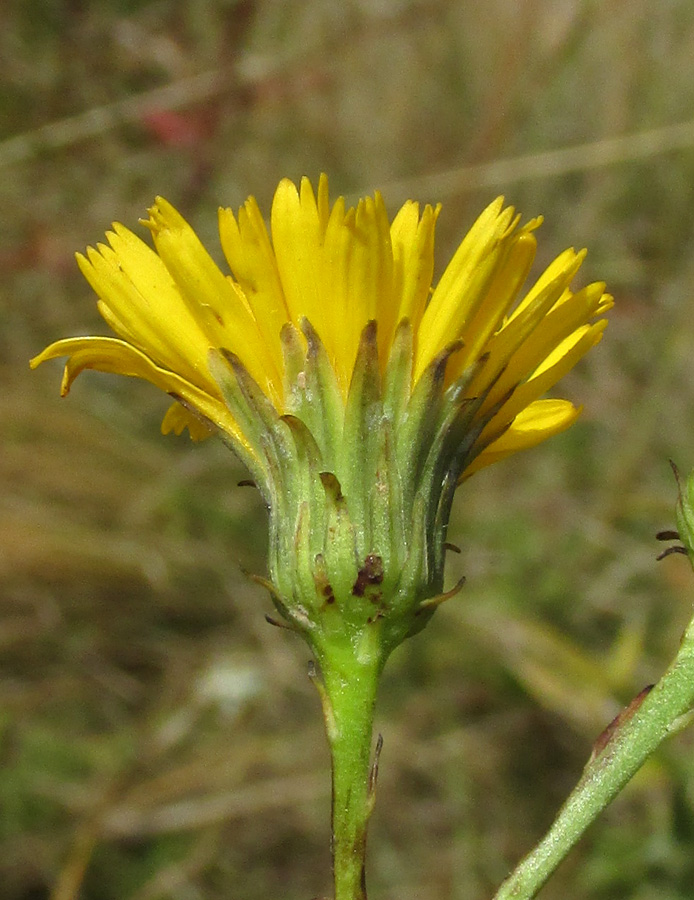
339, 268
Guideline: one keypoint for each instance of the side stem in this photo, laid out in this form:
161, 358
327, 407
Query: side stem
627, 744
348, 692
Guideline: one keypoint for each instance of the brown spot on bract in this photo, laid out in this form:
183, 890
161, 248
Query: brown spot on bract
370, 573
320, 579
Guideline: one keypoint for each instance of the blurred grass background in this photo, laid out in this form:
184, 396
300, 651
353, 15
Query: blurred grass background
158, 739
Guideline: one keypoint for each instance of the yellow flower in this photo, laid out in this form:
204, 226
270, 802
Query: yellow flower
338, 269
357, 396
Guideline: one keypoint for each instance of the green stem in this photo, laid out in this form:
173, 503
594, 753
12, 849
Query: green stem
348, 691
636, 734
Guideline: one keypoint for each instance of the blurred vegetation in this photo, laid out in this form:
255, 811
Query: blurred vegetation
158, 739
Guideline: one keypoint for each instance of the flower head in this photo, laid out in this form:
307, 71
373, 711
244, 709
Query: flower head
357, 395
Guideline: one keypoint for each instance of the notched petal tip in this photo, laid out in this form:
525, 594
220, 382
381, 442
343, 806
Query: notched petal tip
162, 216
65, 347
606, 303
36, 361
181, 415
